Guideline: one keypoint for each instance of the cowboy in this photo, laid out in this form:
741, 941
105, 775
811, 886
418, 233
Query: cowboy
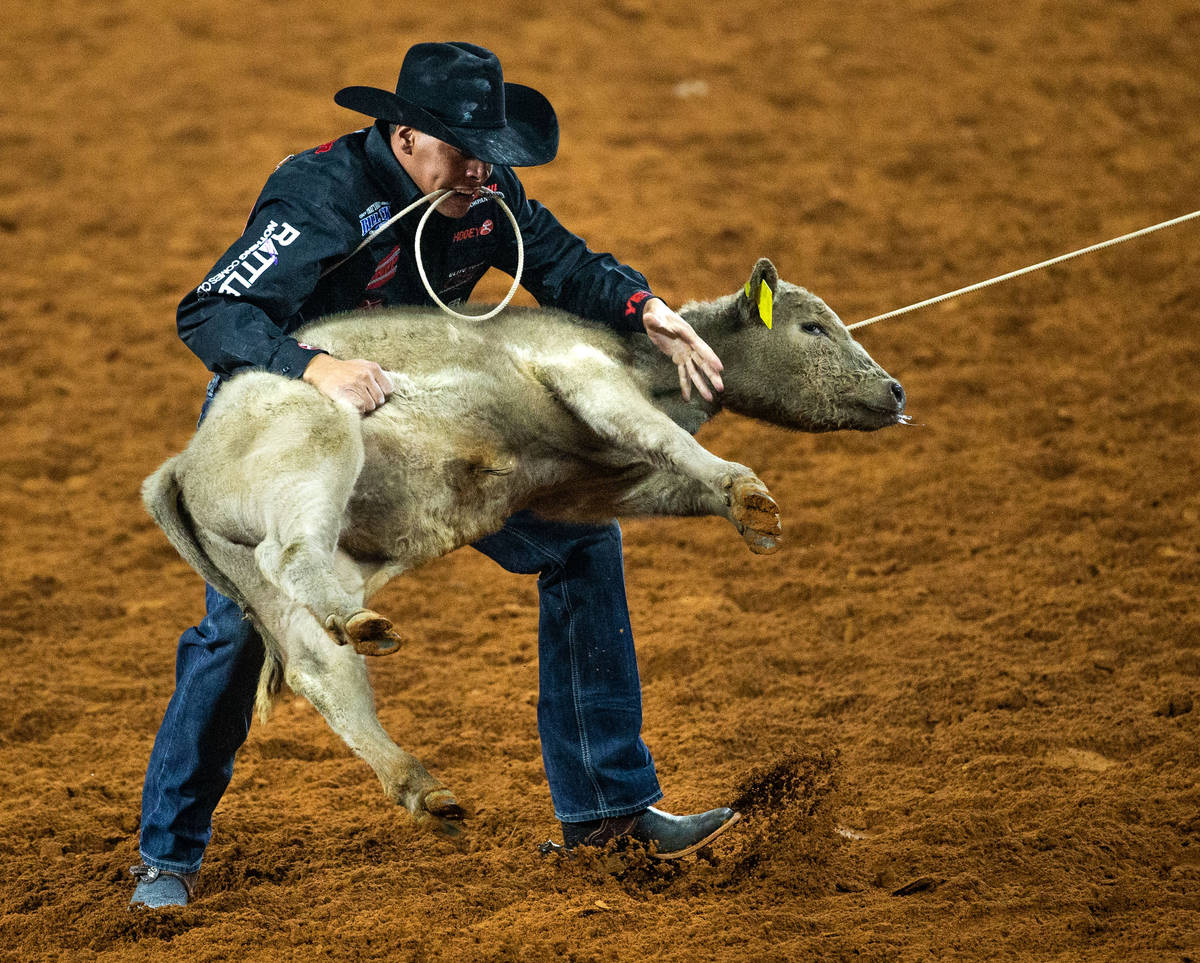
452, 123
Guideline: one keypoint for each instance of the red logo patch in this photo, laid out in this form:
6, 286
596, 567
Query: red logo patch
323, 148
385, 270
485, 228
635, 299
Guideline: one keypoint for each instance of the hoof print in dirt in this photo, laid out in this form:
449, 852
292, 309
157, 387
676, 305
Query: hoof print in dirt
922, 884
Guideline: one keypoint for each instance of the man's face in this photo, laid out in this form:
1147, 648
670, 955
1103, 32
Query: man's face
433, 164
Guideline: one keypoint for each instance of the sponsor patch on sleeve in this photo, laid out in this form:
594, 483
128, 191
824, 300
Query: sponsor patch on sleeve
631, 306
240, 274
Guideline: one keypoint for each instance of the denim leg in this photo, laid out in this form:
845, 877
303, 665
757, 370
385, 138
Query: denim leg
206, 722
590, 696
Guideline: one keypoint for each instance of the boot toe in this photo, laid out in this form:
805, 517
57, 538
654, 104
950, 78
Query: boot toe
666, 835
675, 836
157, 888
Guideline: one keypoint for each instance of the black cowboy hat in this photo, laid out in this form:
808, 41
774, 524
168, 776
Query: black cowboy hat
456, 93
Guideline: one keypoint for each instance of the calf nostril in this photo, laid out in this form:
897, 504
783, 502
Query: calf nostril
898, 393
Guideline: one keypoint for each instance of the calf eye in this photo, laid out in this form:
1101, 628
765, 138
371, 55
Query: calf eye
811, 327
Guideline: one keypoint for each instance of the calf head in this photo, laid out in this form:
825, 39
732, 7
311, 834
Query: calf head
789, 360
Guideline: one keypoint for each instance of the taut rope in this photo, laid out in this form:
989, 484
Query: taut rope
1025, 270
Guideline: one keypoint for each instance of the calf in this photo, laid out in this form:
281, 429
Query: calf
300, 509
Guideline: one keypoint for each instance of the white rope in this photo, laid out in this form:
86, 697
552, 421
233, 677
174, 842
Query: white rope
1026, 270
437, 197
516, 276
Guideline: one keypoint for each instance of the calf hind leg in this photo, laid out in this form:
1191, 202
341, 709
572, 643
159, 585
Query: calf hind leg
298, 556
335, 681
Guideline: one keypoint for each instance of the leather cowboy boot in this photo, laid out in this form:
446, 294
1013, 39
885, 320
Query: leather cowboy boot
665, 835
161, 887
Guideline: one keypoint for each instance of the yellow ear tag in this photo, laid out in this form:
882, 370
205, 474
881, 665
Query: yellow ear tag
765, 304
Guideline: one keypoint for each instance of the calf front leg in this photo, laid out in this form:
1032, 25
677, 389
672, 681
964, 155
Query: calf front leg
685, 478
741, 498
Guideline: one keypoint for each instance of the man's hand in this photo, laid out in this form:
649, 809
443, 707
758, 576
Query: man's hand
675, 338
363, 384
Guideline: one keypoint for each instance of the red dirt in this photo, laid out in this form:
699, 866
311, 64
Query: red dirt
968, 678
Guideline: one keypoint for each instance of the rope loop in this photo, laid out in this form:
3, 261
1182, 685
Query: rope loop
441, 196
437, 197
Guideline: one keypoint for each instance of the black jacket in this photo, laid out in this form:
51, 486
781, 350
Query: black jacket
319, 205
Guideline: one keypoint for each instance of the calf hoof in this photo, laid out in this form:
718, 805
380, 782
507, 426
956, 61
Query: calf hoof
755, 514
442, 804
441, 812
369, 632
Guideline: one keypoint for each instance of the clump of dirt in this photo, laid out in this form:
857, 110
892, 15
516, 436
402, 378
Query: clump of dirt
788, 826
794, 788
632, 866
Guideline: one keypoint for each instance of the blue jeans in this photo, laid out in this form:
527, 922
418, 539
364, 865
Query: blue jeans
207, 719
589, 704
589, 693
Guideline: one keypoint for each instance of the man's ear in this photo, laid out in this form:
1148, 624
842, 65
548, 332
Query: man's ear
403, 138
755, 304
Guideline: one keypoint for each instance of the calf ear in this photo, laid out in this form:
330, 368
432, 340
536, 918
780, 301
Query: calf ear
755, 305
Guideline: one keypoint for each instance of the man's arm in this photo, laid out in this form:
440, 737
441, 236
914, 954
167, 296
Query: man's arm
358, 382
237, 317
561, 270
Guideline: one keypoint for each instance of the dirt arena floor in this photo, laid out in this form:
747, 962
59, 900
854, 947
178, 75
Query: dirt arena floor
958, 709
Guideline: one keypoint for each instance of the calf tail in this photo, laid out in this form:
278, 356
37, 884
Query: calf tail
270, 679
163, 498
